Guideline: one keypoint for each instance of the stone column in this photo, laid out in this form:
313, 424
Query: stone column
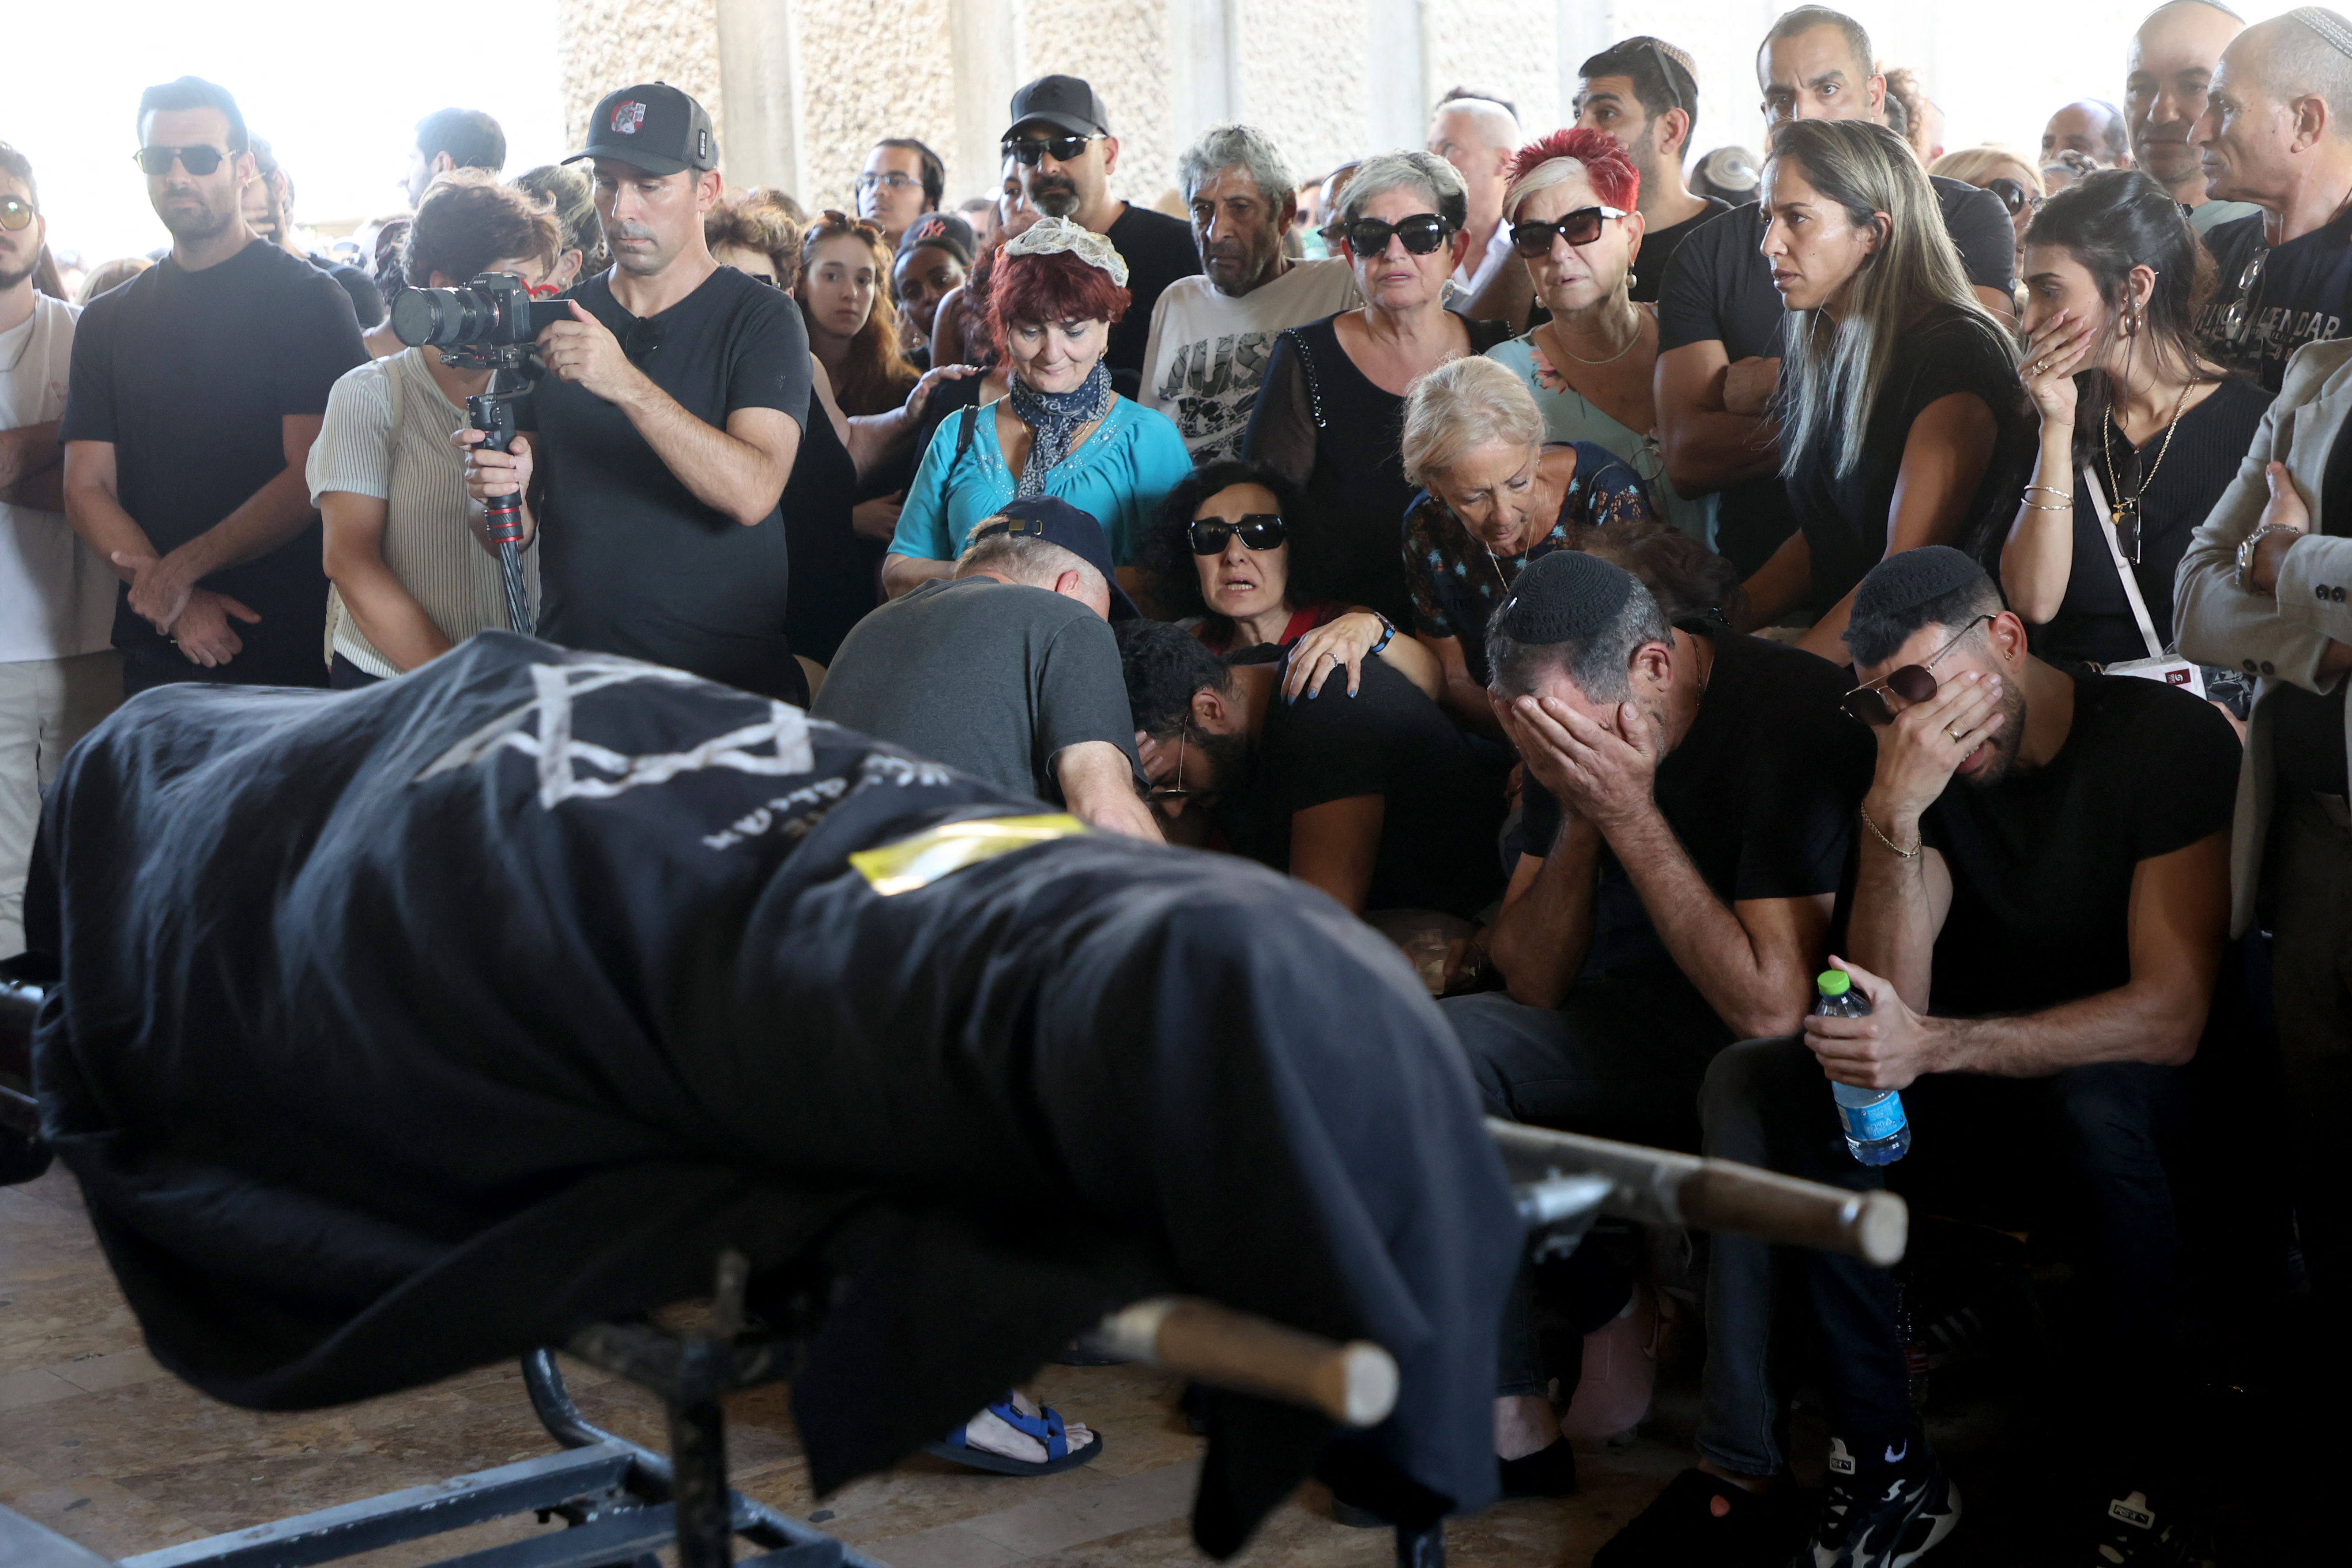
758, 76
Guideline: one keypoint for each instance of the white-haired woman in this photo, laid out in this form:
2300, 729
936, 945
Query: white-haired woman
1329, 411
1900, 410
1495, 496
1570, 206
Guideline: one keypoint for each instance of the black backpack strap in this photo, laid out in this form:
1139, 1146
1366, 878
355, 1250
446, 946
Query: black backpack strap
963, 436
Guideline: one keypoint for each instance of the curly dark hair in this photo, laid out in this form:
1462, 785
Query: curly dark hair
1689, 581
1165, 556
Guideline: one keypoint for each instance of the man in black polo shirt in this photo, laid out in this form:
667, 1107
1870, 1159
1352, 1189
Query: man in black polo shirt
1720, 319
197, 389
2274, 133
668, 423
1685, 822
2044, 883
1060, 140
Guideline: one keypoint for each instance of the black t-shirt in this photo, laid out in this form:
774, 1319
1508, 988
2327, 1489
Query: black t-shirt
2042, 863
1658, 247
2307, 727
1761, 793
835, 574
1158, 250
630, 561
994, 678
1442, 809
2272, 300
1720, 288
1844, 518
2094, 623
190, 375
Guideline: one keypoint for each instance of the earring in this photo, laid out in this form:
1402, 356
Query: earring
1632, 278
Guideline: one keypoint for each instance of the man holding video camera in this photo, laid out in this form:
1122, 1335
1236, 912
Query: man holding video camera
667, 423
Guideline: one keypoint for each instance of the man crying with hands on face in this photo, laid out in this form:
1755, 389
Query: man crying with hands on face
667, 421
2040, 906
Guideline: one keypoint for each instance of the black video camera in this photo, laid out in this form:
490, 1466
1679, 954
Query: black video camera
494, 310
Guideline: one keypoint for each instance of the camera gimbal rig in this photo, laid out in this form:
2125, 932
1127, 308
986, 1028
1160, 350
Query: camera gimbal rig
492, 412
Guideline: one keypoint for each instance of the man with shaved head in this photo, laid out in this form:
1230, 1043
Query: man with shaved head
2277, 131
1477, 134
2091, 126
2167, 71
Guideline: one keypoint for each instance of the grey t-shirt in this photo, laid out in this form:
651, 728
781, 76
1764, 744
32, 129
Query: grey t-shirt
993, 678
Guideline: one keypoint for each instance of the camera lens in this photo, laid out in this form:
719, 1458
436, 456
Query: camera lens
442, 318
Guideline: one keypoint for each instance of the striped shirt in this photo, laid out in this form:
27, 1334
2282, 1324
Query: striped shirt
387, 435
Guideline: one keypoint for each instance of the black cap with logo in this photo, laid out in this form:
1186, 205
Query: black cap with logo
1056, 521
651, 126
1063, 100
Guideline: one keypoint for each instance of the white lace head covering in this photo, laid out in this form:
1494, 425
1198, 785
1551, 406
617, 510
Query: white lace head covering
1048, 235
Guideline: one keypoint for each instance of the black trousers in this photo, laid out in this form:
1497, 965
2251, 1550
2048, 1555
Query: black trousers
2079, 1148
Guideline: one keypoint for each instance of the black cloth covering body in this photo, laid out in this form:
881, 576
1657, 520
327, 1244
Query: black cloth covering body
403, 1029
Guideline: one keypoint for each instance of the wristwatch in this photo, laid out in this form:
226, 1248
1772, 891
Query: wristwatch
2246, 548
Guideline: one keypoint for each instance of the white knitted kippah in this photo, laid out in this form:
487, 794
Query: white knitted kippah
2332, 30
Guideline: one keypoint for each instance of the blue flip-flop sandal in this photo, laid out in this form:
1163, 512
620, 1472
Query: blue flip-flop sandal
1045, 1427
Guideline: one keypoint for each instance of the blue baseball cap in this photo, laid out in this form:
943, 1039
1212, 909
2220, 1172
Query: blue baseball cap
1056, 521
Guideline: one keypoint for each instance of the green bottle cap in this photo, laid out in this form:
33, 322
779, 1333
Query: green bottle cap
1833, 982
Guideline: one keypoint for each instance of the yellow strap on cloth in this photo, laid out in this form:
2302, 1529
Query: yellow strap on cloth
920, 861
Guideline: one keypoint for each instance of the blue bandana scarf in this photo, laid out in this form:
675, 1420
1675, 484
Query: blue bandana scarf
1055, 419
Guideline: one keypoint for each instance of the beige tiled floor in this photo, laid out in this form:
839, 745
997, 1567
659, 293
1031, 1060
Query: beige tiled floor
99, 1444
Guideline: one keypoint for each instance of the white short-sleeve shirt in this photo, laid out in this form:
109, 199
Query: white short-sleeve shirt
57, 595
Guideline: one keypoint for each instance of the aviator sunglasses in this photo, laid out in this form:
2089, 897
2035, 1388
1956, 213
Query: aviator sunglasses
15, 214
198, 161
1582, 227
1420, 234
1258, 529
1027, 149
1915, 683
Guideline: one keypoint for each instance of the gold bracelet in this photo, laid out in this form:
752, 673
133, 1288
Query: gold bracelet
1902, 853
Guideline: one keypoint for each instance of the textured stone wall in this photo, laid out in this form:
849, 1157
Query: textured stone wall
1122, 48
869, 69
1509, 46
1300, 75
608, 44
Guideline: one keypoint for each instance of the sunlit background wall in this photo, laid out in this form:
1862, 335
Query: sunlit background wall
337, 90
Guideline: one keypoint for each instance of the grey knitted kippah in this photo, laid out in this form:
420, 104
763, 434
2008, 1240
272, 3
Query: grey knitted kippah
1563, 595
2326, 26
1906, 581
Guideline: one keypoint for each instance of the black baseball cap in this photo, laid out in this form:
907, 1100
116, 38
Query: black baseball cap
1056, 521
946, 230
1063, 100
651, 126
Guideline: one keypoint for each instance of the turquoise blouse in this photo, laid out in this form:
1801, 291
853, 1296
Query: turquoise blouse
1117, 476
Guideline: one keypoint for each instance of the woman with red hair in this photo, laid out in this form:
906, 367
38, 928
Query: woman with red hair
1059, 430
1572, 214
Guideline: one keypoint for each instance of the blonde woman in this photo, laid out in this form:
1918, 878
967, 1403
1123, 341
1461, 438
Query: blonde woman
1899, 403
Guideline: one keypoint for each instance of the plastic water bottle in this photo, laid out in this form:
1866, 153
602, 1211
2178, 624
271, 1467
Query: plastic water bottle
1875, 1128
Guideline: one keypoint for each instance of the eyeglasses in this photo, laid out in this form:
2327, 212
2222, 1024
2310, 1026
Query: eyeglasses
1027, 149
830, 219
1912, 682
1177, 790
2014, 195
1420, 234
198, 161
2241, 309
892, 181
1582, 227
15, 214
1258, 531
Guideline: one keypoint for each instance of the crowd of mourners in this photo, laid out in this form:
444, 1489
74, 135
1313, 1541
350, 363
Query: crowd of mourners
1636, 582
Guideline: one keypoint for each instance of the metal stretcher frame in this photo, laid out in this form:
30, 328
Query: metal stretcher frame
623, 1502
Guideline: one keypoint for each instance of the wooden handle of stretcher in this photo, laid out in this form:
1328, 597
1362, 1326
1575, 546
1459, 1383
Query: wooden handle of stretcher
1355, 1384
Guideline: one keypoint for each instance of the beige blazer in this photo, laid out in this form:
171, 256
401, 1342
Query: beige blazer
2280, 639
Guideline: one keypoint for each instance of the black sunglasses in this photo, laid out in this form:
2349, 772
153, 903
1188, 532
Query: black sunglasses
15, 214
198, 161
1667, 66
1582, 227
2013, 196
1027, 149
1420, 234
1258, 531
1915, 683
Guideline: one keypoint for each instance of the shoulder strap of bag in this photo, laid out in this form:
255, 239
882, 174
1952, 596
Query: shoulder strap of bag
2123, 568
963, 436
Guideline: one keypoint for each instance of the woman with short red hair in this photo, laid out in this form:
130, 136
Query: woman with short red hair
1572, 219
1059, 430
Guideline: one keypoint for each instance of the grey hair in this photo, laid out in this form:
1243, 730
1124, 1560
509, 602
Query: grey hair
1599, 665
1024, 559
1832, 371
1461, 406
1223, 147
1406, 171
